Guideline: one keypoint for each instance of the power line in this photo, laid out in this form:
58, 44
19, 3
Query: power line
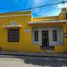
45, 5
36, 6
42, 6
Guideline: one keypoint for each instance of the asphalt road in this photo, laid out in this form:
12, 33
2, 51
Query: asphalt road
24, 61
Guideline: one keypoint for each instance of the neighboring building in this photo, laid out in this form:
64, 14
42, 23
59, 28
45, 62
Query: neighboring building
20, 32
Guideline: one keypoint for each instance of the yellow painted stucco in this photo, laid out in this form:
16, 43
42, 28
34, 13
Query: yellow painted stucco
25, 44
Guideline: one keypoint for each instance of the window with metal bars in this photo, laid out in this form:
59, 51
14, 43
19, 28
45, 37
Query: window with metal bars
54, 35
36, 35
13, 35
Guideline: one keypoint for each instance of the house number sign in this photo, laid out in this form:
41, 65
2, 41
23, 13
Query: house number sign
27, 30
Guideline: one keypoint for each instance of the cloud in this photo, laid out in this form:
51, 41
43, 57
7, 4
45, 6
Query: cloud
44, 11
62, 5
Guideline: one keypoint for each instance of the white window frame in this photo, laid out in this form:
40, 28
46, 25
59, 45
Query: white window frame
60, 39
35, 42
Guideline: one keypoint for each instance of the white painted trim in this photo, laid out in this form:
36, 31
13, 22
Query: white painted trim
11, 26
35, 42
49, 29
42, 22
16, 15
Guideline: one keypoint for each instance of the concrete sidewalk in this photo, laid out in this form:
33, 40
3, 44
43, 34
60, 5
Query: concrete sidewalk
39, 54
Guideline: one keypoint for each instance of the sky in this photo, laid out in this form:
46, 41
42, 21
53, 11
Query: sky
7, 6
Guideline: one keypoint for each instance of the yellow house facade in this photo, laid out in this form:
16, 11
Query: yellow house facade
20, 32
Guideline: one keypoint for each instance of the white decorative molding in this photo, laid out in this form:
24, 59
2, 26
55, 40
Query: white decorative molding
54, 21
11, 26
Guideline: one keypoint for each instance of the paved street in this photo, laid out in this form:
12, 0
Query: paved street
20, 61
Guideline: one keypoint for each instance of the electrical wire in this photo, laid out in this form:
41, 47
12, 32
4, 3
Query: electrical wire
36, 6
45, 5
